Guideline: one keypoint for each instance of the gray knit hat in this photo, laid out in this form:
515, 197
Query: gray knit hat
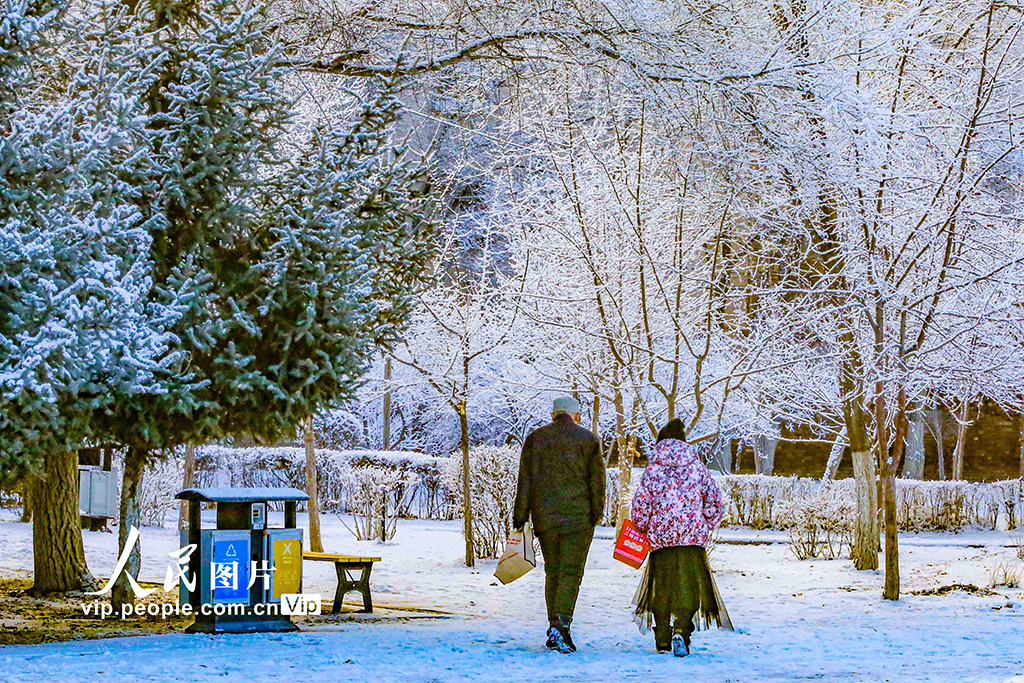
565, 404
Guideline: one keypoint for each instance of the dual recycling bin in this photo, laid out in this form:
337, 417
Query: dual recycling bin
242, 550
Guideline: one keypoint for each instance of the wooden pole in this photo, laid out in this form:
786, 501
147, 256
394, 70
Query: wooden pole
187, 481
315, 543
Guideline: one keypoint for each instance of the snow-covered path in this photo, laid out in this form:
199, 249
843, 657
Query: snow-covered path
797, 620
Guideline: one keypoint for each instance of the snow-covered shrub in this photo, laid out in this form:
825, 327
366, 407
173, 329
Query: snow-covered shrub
1009, 494
494, 472
160, 482
1018, 543
374, 499
755, 500
940, 505
820, 527
286, 466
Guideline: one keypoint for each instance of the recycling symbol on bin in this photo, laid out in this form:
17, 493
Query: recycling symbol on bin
231, 551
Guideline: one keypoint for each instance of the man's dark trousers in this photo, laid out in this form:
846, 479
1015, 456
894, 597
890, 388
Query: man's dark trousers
565, 555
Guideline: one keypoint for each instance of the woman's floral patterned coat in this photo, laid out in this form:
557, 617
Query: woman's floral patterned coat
677, 503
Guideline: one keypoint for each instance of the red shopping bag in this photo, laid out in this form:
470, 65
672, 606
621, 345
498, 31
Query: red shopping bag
632, 546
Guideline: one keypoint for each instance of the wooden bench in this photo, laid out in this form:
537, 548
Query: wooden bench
343, 564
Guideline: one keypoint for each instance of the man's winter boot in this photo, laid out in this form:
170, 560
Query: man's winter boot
553, 637
564, 642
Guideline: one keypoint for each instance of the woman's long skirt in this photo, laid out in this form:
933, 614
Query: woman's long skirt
678, 585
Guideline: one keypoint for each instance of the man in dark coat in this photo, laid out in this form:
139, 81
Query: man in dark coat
561, 487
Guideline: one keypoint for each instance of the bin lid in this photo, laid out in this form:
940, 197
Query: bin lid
241, 494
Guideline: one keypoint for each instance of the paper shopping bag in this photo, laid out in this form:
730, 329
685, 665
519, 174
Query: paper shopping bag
519, 556
632, 546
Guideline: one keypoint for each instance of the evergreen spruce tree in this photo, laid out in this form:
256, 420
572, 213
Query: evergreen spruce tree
169, 276
77, 320
290, 272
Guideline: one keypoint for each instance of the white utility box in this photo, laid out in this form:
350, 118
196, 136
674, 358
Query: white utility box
97, 491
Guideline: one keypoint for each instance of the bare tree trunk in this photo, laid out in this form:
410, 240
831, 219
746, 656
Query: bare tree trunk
891, 591
865, 531
764, 454
890, 462
595, 423
721, 455
835, 456
961, 441
131, 483
936, 429
625, 462
58, 554
467, 500
913, 460
187, 481
387, 404
312, 489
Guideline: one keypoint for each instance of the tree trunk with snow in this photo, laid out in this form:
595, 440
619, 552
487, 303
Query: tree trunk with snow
721, 455
913, 461
935, 425
961, 440
865, 536
312, 489
835, 456
131, 484
764, 454
58, 554
865, 530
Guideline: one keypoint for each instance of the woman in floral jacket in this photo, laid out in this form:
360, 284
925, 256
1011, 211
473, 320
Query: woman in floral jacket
678, 505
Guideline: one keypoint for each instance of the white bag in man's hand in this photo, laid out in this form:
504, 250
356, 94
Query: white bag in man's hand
519, 556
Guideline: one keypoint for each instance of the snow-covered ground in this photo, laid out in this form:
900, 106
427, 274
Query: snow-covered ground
796, 620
